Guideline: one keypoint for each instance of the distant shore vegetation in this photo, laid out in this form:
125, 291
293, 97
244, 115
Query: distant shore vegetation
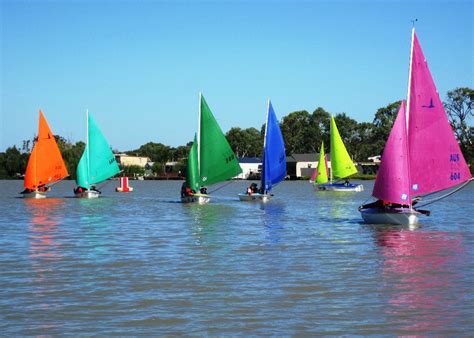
302, 131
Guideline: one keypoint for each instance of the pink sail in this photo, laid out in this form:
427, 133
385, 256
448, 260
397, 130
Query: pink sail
393, 180
436, 161
314, 174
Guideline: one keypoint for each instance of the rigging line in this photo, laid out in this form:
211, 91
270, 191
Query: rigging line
55, 182
106, 182
222, 186
446, 195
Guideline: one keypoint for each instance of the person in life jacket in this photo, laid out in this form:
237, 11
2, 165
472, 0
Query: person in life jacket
252, 189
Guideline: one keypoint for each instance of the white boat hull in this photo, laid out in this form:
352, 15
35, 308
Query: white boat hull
339, 187
390, 216
256, 197
88, 194
196, 198
34, 194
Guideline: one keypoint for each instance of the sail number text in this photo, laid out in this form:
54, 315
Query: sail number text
229, 159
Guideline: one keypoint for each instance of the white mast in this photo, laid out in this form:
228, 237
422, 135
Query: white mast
264, 145
330, 148
199, 137
87, 146
34, 144
407, 110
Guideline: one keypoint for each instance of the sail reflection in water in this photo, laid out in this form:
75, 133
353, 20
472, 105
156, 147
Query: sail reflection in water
421, 273
44, 227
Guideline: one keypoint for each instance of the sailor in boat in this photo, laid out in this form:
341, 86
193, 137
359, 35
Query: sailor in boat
79, 190
186, 191
203, 190
386, 205
252, 189
41, 188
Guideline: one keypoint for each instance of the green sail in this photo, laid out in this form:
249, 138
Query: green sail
217, 161
322, 176
192, 172
97, 162
341, 163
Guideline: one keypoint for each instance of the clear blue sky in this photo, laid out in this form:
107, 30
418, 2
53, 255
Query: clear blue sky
138, 66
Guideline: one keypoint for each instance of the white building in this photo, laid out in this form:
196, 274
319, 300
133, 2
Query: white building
251, 166
303, 165
128, 160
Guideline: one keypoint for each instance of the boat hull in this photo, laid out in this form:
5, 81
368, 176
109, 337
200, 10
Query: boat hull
35, 194
339, 187
256, 197
390, 216
196, 198
88, 194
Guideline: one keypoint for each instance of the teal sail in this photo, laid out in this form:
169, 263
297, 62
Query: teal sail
274, 158
97, 162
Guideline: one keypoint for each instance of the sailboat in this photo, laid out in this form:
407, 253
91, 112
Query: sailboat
45, 165
274, 160
421, 155
341, 166
211, 159
97, 162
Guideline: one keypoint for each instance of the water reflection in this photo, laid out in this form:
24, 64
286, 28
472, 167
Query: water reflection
420, 273
207, 221
43, 227
96, 220
273, 219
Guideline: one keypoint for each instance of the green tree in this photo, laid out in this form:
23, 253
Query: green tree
295, 133
245, 142
158, 168
14, 162
460, 108
157, 152
383, 122
349, 133
131, 170
71, 155
3, 167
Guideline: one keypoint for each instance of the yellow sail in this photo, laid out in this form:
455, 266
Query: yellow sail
322, 173
341, 163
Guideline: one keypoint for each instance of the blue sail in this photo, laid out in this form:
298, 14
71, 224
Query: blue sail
274, 158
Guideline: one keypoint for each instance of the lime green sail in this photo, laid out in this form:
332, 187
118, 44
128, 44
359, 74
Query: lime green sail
97, 162
341, 163
217, 161
322, 176
192, 171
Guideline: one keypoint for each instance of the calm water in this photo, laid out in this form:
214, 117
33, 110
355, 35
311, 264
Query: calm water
142, 263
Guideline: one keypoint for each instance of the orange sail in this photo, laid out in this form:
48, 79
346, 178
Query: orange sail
46, 165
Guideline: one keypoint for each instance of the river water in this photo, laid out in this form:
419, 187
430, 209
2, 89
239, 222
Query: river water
303, 264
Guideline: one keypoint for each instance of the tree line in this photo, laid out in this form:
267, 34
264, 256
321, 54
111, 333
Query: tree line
302, 131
